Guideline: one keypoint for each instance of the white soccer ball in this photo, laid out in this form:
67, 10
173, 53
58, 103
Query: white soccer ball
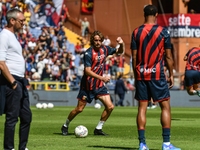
50, 105
44, 105
81, 131
97, 106
38, 105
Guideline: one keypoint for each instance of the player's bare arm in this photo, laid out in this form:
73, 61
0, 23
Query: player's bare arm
134, 60
121, 49
170, 63
90, 73
6, 73
108, 57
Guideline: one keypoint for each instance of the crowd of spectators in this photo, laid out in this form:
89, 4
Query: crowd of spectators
48, 57
6, 5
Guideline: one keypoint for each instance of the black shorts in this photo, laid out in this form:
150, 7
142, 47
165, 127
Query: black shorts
156, 89
192, 77
88, 96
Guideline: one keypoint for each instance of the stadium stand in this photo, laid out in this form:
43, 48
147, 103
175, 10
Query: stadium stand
51, 57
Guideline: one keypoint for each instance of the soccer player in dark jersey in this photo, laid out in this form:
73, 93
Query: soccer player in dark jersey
92, 82
192, 71
148, 43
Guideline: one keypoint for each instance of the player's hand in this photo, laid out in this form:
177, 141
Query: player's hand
119, 40
106, 79
170, 80
14, 87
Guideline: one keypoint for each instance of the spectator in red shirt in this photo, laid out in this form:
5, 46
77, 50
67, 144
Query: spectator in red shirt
64, 14
3, 21
78, 48
113, 65
129, 86
120, 62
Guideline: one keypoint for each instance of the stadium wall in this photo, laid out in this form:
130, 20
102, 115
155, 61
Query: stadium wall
179, 98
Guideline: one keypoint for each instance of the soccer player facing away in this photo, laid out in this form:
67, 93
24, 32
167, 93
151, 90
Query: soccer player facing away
192, 71
92, 82
148, 43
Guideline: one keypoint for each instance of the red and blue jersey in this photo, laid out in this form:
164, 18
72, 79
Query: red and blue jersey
114, 60
193, 59
95, 60
150, 40
121, 61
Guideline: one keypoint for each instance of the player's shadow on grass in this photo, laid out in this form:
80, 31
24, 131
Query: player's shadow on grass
181, 120
61, 133
176, 119
115, 147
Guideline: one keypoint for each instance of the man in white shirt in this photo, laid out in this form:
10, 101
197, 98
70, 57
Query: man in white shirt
85, 25
32, 44
48, 61
131, 80
106, 41
16, 103
40, 65
35, 75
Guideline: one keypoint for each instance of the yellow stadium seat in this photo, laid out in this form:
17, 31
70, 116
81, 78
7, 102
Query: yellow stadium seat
73, 37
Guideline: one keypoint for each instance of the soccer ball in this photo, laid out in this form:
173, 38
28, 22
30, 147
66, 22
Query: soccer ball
97, 106
50, 105
81, 131
44, 105
39, 105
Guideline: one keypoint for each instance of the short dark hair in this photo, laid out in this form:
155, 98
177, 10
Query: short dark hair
93, 35
150, 10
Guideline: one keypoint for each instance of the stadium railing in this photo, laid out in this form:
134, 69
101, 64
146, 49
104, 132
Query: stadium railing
49, 86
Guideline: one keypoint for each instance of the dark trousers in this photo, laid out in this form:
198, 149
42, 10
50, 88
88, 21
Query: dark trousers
121, 96
78, 80
17, 105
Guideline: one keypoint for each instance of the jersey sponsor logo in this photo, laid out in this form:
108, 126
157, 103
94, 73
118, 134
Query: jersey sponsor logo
148, 70
98, 58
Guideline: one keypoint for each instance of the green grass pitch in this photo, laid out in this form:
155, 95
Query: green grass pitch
45, 132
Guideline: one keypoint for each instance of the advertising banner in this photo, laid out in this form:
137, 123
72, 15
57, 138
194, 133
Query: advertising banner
181, 25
